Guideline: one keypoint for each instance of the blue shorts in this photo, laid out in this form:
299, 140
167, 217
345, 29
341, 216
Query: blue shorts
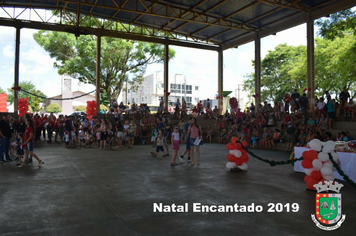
159, 148
29, 146
187, 144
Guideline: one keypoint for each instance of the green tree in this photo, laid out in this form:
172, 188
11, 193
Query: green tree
53, 107
338, 25
33, 101
120, 58
104, 99
2, 91
103, 108
80, 108
282, 70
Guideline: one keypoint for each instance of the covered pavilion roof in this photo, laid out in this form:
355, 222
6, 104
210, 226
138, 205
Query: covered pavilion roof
207, 24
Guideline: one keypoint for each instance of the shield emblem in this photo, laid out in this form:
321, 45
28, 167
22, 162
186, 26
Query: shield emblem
328, 208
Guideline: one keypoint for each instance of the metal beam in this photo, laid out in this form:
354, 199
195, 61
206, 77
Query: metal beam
249, 37
310, 62
17, 68
257, 70
98, 72
166, 75
104, 33
220, 80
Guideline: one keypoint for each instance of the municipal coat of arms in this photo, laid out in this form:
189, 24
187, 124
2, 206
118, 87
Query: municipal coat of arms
328, 206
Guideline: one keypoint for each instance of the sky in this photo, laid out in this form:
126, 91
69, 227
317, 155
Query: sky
37, 66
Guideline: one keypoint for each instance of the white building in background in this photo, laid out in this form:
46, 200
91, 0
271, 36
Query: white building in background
191, 89
67, 92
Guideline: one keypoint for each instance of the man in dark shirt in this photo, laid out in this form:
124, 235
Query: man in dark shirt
345, 94
68, 126
5, 134
303, 101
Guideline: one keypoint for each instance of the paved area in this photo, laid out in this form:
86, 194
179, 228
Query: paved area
112, 192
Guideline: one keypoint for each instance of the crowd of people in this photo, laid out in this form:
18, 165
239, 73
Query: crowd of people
257, 125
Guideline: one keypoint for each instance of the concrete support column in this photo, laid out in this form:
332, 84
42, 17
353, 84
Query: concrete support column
220, 79
257, 69
98, 53
166, 75
310, 61
17, 69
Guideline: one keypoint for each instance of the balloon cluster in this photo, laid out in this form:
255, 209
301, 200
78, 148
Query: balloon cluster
316, 162
23, 106
233, 104
238, 156
91, 109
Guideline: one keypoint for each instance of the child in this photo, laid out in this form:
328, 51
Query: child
143, 134
74, 138
254, 141
81, 136
153, 135
160, 144
66, 139
209, 133
20, 146
223, 135
88, 139
175, 145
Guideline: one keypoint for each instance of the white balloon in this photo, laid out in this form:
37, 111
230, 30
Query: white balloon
325, 170
322, 156
317, 164
308, 171
315, 144
328, 164
230, 165
329, 177
232, 152
335, 156
237, 153
243, 166
329, 146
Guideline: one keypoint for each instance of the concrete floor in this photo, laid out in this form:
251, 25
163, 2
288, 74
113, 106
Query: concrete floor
111, 192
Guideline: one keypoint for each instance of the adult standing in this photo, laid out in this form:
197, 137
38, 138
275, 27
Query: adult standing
331, 111
194, 131
187, 144
177, 109
5, 135
28, 139
303, 102
85, 122
162, 125
286, 102
296, 97
119, 133
68, 126
327, 95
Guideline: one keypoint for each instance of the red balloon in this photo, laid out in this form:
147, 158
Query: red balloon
238, 146
234, 139
311, 182
315, 175
307, 164
238, 161
305, 155
230, 146
306, 178
244, 158
231, 158
244, 143
312, 154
